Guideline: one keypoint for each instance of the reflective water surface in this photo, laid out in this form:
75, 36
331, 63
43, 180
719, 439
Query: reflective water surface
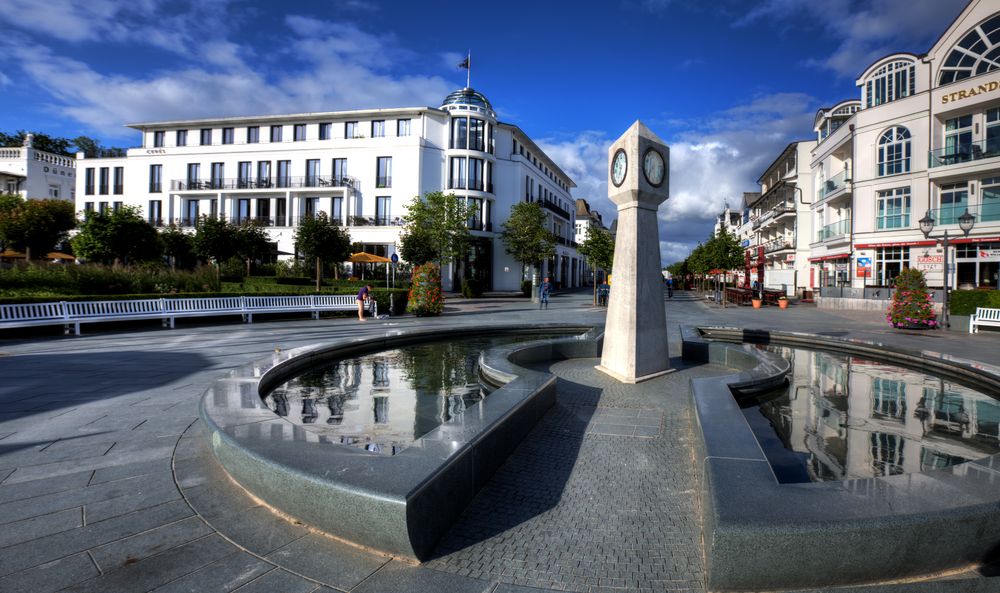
845, 417
383, 402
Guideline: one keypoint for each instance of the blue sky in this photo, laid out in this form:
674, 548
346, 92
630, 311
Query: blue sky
727, 83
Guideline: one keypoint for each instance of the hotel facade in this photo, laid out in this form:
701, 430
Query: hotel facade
922, 142
36, 174
362, 168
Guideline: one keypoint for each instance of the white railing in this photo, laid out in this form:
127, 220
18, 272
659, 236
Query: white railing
72, 314
10, 153
55, 159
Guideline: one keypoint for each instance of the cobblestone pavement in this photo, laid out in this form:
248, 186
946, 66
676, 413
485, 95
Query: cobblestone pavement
106, 483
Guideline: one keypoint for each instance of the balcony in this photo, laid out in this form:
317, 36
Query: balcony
777, 245
553, 207
894, 221
833, 185
988, 212
479, 225
375, 221
834, 230
383, 181
964, 153
259, 183
782, 209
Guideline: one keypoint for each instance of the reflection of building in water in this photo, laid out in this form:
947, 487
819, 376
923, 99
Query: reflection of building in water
859, 419
381, 410
309, 413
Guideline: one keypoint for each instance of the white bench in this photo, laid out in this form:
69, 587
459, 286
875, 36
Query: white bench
984, 316
72, 314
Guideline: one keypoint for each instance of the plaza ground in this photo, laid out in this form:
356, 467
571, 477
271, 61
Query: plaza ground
106, 483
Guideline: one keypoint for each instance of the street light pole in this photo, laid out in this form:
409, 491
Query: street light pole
965, 222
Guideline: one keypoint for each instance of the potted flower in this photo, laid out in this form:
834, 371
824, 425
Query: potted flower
783, 302
911, 306
425, 298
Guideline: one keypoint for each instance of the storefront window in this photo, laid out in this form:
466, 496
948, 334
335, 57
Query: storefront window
889, 262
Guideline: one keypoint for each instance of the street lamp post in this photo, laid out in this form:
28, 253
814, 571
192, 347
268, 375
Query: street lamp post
965, 222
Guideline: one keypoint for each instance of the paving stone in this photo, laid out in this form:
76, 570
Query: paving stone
21, 490
400, 576
328, 561
4, 473
160, 489
36, 527
130, 470
155, 453
52, 576
160, 569
44, 549
131, 549
220, 576
279, 581
258, 530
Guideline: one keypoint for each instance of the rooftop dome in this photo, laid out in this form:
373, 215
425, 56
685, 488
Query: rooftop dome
467, 96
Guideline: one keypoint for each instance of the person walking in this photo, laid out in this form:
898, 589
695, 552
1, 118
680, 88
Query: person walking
670, 288
364, 295
543, 293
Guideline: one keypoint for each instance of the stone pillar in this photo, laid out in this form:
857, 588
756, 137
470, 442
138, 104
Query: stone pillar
635, 337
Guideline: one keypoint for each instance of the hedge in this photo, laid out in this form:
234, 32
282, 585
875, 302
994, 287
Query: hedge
964, 302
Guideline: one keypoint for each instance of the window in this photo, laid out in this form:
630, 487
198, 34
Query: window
155, 212
383, 174
459, 132
351, 129
894, 151
325, 131
253, 134
276, 133
889, 262
990, 209
103, 183
218, 175
206, 136
228, 135
457, 179
311, 206
337, 215
54, 192
182, 137
489, 176
893, 209
158, 139
475, 206
193, 173
958, 139
190, 213
477, 134
992, 132
312, 172
476, 174
88, 207
263, 173
383, 209
88, 181
340, 171
243, 171
892, 81
299, 132
119, 181
284, 174
155, 179
974, 54
403, 127
954, 201
378, 128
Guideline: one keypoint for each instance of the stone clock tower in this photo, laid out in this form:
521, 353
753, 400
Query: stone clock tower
635, 336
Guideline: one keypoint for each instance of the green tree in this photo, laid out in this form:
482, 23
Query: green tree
418, 248
117, 236
53, 144
444, 220
526, 238
178, 246
214, 239
599, 249
252, 242
34, 226
317, 238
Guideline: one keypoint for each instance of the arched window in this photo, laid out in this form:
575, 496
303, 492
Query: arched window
978, 52
892, 81
894, 151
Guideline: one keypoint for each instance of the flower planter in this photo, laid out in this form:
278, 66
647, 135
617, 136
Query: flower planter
755, 303
783, 303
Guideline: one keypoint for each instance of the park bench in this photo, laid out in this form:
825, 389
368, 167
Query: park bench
984, 316
71, 314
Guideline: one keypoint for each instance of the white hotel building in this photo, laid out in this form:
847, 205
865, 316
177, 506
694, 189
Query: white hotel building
924, 138
36, 174
362, 168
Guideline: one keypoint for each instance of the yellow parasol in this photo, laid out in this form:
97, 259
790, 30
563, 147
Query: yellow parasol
362, 257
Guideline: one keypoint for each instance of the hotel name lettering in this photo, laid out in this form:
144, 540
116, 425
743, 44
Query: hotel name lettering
988, 87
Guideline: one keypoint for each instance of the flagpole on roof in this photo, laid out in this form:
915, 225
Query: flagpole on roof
468, 72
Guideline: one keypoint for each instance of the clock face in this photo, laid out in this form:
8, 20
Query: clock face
619, 166
652, 167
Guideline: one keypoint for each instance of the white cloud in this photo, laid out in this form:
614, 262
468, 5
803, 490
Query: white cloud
866, 31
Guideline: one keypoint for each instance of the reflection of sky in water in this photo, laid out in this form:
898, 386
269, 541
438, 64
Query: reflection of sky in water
383, 402
844, 417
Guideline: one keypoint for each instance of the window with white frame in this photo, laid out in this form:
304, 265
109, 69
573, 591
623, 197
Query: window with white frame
894, 151
299, 132
378, 128
276, 132
403, 127
158, 139
457, 178
325, 131
989, 210
893, 209
974, 54
953, 201
958, 136
889, 262
892, 81
351, 129
182, 137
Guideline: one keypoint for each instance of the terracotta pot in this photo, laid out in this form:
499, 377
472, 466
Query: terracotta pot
755, 303
783, 303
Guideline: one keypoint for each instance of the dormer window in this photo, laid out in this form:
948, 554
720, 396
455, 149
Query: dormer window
892, 81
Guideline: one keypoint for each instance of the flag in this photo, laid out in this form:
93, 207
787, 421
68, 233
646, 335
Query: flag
465, 63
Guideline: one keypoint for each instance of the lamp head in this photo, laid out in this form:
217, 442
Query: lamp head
966, 222
927, 224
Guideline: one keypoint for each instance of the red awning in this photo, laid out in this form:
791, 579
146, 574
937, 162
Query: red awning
829, 257
898, 244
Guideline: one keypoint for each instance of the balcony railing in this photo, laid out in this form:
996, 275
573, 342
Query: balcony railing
833, 184
260, 183
988, 212
552, 206
840, 228
383, 182
777, 245
964, 153
894, 221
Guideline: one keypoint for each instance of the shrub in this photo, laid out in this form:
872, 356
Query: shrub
472, 288
526, 288
95, 279
425, 296
911, 303
390, 300
964, 302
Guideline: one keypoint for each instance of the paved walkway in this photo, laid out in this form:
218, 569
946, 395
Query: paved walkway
106, 483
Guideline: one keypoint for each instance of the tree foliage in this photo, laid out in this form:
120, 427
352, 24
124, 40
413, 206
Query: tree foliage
58, 145
119, 235
319, 240
525, 235
179, 247
442, 220
34, 226
214, 239
418, 248
719, 252
599, 248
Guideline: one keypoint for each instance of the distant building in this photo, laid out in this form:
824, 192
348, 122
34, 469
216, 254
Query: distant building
730, 220
36, 174
587, 219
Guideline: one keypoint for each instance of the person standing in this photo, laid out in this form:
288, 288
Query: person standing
543, 293
670, 288
363, 296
